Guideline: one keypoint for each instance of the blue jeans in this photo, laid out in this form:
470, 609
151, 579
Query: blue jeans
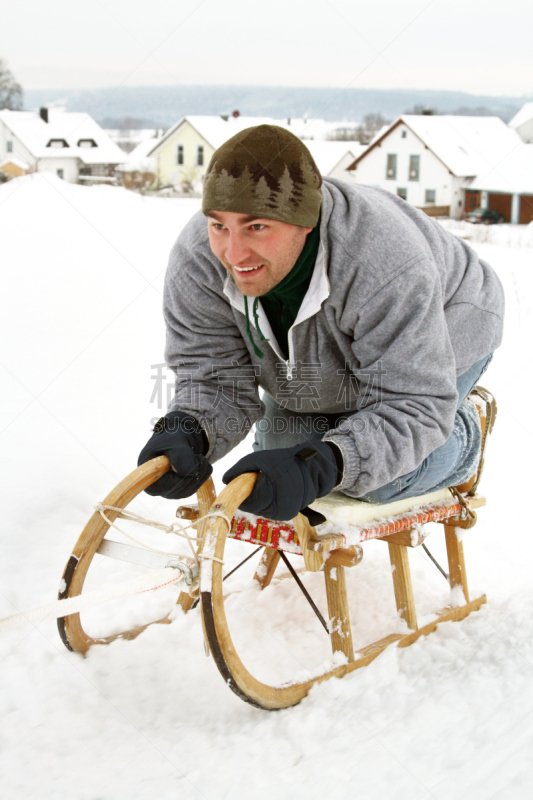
449, 465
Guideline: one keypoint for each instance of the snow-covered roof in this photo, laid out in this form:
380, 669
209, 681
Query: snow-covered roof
379, 134
216, 130
467, 146
35, 134
327, 154
17, 162
139, 160
513, 173
524, 115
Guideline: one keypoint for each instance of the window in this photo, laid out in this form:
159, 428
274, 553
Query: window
87, 143
200, 155
9, 147
85, 171
179, 156
414, 168
60, 173
57, 143
402, 193
404, 134
392, 159
431, 195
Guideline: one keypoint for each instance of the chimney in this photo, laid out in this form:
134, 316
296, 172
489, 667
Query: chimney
43, 113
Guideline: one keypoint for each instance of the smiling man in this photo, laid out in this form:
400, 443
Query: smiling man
258, 253
363, 321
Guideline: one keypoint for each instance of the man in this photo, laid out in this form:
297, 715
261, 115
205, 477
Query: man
365, 323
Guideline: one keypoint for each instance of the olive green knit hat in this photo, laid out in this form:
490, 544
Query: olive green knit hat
265, 171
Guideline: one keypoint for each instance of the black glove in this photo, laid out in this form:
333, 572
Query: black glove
289, 478
181, 438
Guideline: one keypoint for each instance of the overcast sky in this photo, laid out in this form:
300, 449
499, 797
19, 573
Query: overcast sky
480, 46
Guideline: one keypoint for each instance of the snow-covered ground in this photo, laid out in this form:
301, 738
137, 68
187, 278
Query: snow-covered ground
449, 717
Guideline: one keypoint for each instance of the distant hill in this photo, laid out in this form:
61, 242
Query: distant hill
161, 106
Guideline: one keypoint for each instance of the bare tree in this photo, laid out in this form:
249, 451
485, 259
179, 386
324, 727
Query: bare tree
188, 177
348, 134
10, 90
371, 124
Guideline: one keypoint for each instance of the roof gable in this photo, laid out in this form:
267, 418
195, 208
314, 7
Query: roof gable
524, 115
467, 146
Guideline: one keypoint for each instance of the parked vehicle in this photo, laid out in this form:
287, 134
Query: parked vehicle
484, 216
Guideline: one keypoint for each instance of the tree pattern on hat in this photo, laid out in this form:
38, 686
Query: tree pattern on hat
265, 171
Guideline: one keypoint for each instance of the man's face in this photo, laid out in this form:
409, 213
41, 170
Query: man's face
258, 253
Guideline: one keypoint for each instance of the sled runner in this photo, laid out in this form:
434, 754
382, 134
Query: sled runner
335, 547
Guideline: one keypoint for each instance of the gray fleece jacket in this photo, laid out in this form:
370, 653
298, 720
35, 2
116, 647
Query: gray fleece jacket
396, 309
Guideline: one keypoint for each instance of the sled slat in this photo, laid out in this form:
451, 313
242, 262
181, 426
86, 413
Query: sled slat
409, 538
339, 614
189, 512
403, 589
267, 567
345, 557
456, 560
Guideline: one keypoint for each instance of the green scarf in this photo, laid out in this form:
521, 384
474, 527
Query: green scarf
282, 303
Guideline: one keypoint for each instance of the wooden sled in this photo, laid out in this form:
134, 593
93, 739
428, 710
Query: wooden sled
400, 524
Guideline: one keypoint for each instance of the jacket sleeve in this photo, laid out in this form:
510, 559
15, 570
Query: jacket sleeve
406, 380
216, 383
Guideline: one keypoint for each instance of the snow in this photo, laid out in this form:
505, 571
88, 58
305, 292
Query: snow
447, 718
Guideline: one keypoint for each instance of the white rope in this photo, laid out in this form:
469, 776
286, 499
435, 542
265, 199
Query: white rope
142, 583
203, 557
135, 518
73, 605
129, 515
122, 512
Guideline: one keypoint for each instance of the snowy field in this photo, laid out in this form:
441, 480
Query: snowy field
449, 718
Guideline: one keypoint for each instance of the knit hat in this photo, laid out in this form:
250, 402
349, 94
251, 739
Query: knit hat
265, 171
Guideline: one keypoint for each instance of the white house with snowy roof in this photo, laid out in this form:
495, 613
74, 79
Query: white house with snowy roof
183, 154
448, 165
70, 145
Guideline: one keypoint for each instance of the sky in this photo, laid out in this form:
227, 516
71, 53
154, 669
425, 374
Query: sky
477, 46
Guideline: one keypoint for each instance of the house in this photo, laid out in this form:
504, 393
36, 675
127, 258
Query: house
507, 189
138, 171
440, 163
70, 145
183, 154
522, 123
332, 158
13, 167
